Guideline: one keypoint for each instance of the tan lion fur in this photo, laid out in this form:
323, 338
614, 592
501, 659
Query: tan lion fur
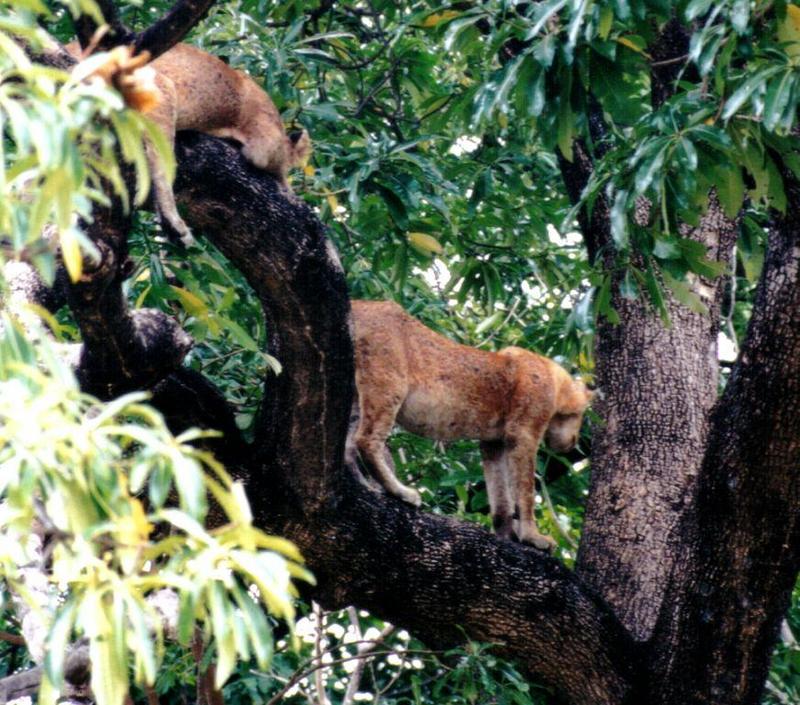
508, 400
198, 91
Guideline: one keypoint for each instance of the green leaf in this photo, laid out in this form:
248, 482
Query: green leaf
789, 30
481, 189
58, 639
566, 127
696, 8
619, 219
143, 646
695, 254
684, 295
109, 671
189, 482
730, 190
656, 295
544, 51
779, 93
746, 90
605, 22
604, 307
259, 631
775, 190
544, 12
628, 288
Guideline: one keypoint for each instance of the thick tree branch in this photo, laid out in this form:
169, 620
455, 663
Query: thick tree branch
122, 349
20, 685
281, 248
76, 680
173, 27
440, 577
86, 28
158, 38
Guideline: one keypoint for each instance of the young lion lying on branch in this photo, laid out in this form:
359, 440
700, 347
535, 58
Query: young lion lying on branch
194, 90
508, 400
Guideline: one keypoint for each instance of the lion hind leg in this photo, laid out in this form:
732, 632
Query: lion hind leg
495, 472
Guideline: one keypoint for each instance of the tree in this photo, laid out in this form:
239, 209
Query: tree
671, 127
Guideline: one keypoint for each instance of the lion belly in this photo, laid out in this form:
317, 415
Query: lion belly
441, 414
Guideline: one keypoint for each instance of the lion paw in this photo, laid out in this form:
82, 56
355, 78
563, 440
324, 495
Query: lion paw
540, 541
411, 496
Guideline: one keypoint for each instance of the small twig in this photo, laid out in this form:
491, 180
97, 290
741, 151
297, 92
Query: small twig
363, 650
298, 676
15, 639
510, 315
319, 680
377, 87
552, 510
669, 62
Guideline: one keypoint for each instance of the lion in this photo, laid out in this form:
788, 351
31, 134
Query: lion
508, 400
198, 91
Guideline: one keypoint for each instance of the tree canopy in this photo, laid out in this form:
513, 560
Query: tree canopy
610, 183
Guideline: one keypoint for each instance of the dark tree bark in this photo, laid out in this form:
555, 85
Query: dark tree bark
741, 553
158, 38
660, 383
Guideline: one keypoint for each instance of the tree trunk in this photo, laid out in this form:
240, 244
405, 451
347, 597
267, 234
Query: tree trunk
741, 551
658, 385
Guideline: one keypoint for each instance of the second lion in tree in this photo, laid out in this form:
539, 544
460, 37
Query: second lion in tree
509, 400
197, 91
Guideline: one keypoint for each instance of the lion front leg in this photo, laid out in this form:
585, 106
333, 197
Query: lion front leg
521, 460
164, 115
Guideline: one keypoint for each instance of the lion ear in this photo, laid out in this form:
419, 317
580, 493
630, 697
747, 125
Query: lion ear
588, 390
593, 394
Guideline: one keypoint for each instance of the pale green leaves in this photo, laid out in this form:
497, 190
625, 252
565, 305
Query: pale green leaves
87, 464
62, 155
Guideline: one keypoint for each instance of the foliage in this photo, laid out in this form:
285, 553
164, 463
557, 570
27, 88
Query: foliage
87, 464
59, 158
399, 669
439, 129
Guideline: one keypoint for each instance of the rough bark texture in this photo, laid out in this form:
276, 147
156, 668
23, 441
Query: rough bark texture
742, 546
171, 28
122, 349
158, 38
659, 384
